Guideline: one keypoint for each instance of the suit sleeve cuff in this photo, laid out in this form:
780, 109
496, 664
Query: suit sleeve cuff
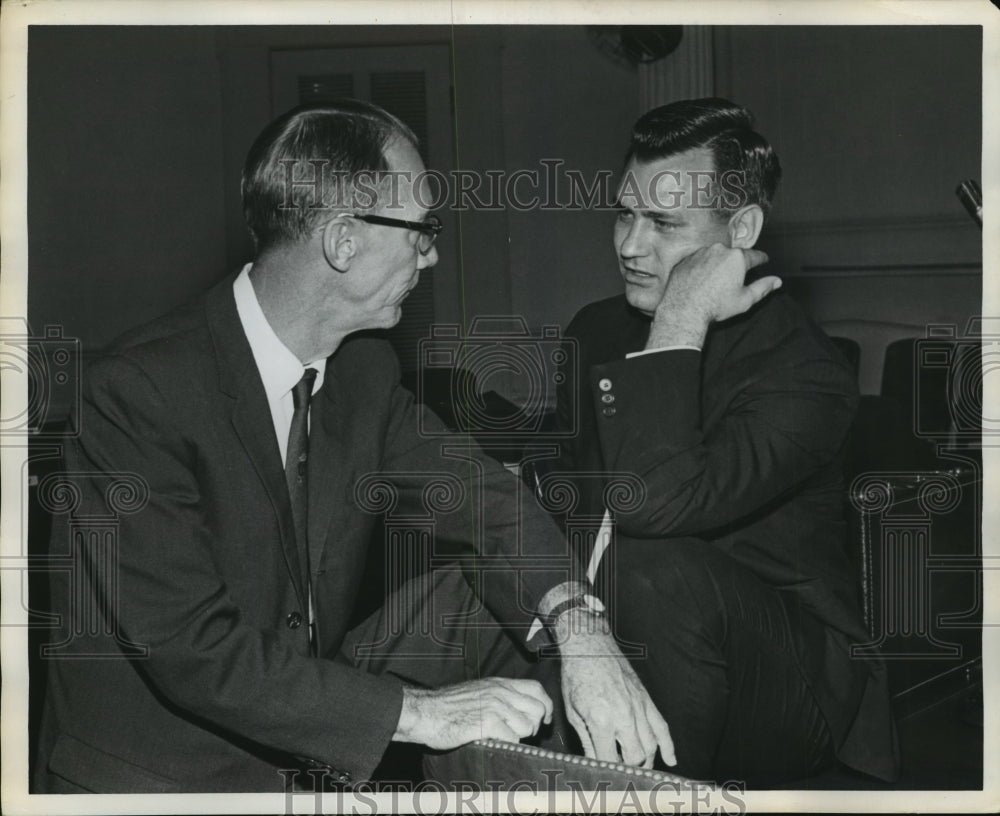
646, 407
658, 350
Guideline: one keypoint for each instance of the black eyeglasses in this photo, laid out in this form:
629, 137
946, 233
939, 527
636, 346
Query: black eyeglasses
429, 229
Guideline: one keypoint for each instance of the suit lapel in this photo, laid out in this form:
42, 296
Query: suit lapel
343, 429
256, 431
251, 417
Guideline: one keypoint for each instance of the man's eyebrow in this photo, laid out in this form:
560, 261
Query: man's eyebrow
661, 215
630, 202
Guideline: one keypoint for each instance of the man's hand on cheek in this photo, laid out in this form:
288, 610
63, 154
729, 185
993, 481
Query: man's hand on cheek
705, 287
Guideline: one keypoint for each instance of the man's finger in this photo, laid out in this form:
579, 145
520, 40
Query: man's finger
605, 745
662, 731
647, 740
522, 726
762, 287
754, 257
633, 752
532, 689
524, 705
581, 731
499, 730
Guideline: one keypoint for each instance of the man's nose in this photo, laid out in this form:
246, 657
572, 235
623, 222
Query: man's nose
633, 244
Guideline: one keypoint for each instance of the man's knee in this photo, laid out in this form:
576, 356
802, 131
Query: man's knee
676, 569
665, 583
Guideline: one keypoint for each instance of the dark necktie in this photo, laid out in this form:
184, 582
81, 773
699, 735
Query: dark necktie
296, 469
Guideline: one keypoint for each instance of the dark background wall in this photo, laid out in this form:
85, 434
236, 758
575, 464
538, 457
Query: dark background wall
875, 127
125, 205
136, 136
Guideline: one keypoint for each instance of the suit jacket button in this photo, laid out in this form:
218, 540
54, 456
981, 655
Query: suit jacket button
607, 399
604, 384
293, 621
609, 411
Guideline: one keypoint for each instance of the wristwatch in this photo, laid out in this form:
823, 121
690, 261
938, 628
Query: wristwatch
588, 603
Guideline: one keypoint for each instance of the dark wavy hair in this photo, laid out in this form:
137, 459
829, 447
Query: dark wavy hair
720, 126
330, 144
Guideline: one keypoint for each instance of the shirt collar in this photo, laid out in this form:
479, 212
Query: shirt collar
279, 368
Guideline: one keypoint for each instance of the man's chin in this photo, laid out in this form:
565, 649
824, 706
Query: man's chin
641, 299
395, 315
388, 317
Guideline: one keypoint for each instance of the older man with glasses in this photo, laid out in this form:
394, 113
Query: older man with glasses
252, 417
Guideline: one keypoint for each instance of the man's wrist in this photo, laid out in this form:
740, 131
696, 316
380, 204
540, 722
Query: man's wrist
587, 603
409, 716
675, 327
570, 610
580, 632
559, 594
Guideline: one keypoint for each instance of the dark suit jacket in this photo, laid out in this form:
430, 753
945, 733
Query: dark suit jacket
207, 577
739, 445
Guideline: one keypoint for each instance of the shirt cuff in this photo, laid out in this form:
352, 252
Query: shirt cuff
600, 545
656, 350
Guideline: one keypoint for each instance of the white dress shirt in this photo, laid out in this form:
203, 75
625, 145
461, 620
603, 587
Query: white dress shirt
279, 368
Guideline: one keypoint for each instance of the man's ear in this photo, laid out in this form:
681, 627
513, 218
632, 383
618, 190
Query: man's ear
340, 243
745, 225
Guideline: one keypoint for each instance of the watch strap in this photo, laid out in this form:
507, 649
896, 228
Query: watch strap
587, 602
